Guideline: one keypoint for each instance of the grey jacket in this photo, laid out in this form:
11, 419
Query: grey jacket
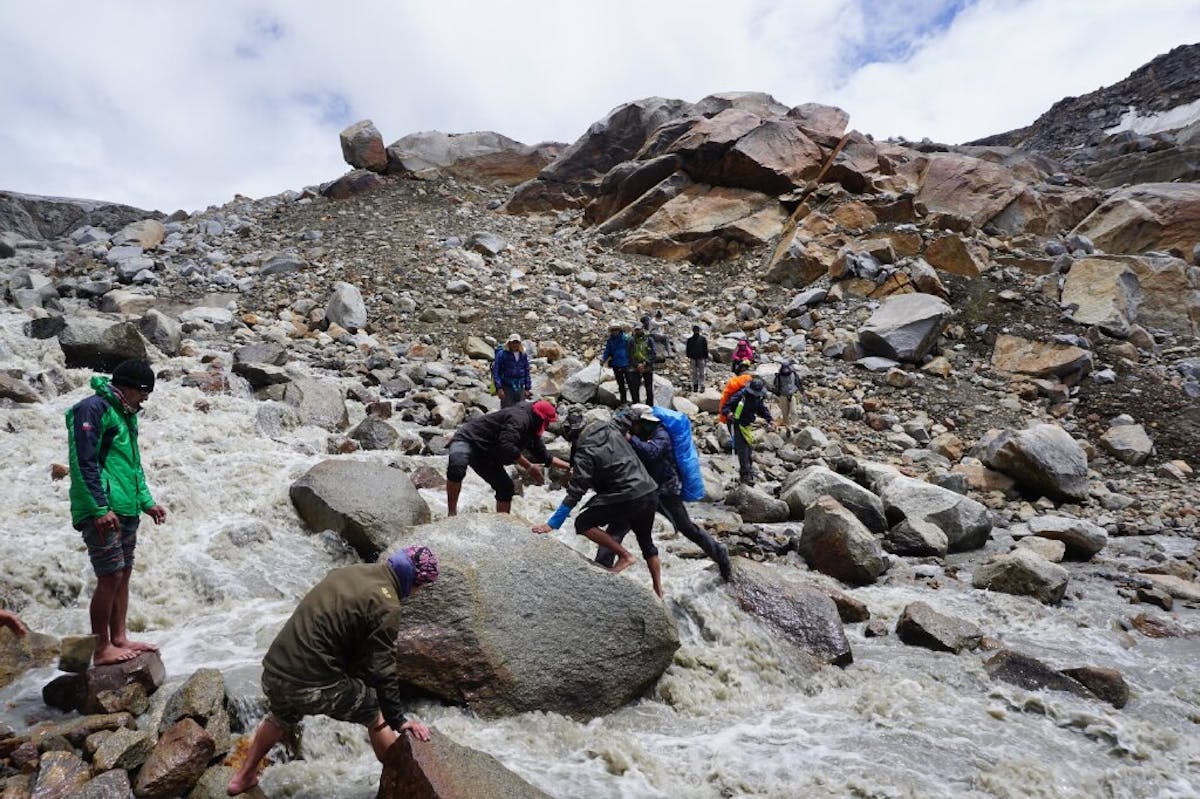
604, 462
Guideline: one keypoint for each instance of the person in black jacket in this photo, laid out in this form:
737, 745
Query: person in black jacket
697, 353
495, 440
604, 462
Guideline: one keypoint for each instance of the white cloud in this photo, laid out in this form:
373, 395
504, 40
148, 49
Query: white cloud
167, 105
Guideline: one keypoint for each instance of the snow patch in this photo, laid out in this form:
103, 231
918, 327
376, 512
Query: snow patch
1178, 117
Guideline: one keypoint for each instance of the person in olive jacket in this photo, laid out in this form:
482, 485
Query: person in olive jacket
108, 496
336, 657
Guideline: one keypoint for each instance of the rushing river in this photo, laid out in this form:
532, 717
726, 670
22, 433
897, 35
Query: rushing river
730, 718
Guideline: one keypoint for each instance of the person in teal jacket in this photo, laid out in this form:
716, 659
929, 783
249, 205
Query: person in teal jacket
108, 496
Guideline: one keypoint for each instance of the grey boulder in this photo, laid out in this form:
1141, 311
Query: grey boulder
1042, 458
905, 327
965, 522
98, 344
1082, 538
802, 490
1024, 573
836, 543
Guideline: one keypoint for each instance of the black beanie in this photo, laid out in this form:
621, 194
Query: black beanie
134, 373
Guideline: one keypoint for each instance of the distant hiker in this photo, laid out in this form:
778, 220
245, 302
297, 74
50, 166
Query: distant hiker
641, 365
733, 385
13, 623
657, 328
742, 409
697, 353
743, 355
108, 495
616, 355
785, 385
336, 657
510, 371
652, 443
491, 442
626, 495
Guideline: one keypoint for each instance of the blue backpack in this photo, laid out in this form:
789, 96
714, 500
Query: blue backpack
687, 460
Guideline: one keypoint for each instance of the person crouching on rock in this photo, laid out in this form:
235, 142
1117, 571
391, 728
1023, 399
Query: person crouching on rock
491, 442
336, 657
626, 495
652, 443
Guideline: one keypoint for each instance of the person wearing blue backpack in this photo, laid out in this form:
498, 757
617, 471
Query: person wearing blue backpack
510, 372
652, 444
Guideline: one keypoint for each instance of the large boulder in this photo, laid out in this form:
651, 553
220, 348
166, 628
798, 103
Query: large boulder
20, 654
921, 625
581, 387
520, 622
162, 331
1102, 292
1042, 459
757, 506
836, 543
362, 146
1149, 216
966, 523
1025, 573
99, 344
346, 307
179, 758
806, 616
1082, 538
317, 402
966, 187
1017, 355
367, 503
1170, 293
1031, 674
442, 769
804, 489
201, 698
905, 327
478, 155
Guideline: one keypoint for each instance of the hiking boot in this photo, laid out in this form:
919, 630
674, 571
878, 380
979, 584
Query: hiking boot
721, 556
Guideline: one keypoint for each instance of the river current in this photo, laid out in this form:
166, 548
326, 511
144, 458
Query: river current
730, 718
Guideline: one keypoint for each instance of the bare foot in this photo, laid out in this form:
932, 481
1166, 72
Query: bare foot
241, 784
623, 563
136, 646
107, 655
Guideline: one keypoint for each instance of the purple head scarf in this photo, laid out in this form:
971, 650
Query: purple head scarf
413, 566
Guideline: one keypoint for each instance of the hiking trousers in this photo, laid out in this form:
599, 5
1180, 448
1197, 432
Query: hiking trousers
698, 369
636, 381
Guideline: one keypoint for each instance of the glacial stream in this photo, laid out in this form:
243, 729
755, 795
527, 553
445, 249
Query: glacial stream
730, 718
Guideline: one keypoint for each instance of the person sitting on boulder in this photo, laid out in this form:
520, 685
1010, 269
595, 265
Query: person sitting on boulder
510, 371
743, 355
336, 657
616, 355
652, 443
491, 442
741, 410
626, 495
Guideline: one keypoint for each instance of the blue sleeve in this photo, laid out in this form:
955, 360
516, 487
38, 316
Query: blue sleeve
560, 516
525, 369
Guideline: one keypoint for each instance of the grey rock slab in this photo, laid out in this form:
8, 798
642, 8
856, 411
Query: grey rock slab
905, 327
1024, 573
814, 481
966, 523
1082, 538
921, 625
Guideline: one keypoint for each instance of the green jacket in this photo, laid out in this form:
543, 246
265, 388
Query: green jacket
345, 626
106, 468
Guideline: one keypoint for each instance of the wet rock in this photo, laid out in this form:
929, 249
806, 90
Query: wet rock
317, 402
17, 390
1031, 674
145, 670
478, 636
76, 731
162, 331
921, 625
1042, 458
213, 782
850, 610
1107, 684
1082, 538
75, 653
19, 655
1128, 443
362, 146
179, 758
59, 774
346, 307
442, 769
836, 543
130, 698
806, 616
366, 503
109, 785
904, 328
1053, 551
202, 698
123, 749
1177, 587
373, 434
1023, 573
1156, 627
754, 506
90, 343
802, 490
966, 523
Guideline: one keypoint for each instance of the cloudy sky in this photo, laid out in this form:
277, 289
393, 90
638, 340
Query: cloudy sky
168, 105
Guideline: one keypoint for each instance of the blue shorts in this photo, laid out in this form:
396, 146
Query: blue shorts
113, 552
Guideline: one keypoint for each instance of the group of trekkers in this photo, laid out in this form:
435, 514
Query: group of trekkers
335, 654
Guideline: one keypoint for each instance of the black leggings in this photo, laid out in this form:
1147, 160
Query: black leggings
636, 515
671, 506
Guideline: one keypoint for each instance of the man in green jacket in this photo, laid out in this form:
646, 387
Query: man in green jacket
108, 496
336, 657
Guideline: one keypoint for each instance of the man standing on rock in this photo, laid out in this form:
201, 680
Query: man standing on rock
336, 657
652, 443
490, 443
108, 495
616, 355
785, 386
510, 371
641, 364
741, 410
697, 353
626, 495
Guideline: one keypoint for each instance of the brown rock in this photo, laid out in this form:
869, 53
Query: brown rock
1030, 673
20, 654
921, 625
1017, 355
950, 253
442, 769
180, 757
75, 653
1104, 292
77, 730
773, 158
146, 670
362, 146
355, 183
854, 215
966, 187
1155, 627
1149, 216
109, 785
1107, 684
59, 774
836, 543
